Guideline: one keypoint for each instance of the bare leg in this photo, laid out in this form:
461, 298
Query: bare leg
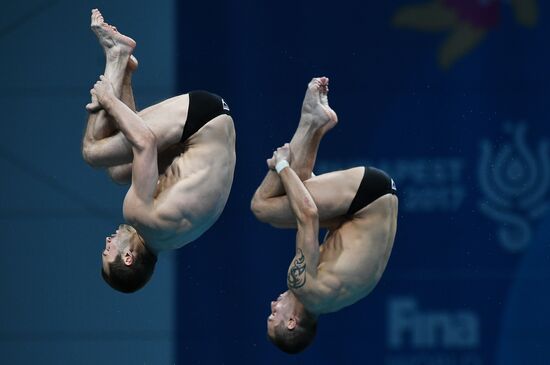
104, 124
166, 119
127, 95
118, 49
122, 174
317, 118
103, 145
332, 192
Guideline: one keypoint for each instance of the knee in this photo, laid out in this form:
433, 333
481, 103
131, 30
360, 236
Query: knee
258, 208
89, 156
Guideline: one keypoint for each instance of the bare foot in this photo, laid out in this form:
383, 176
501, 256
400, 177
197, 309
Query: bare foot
113, 43
315, 108
132, 66
117, 48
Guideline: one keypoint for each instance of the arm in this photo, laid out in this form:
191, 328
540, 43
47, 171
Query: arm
104, 150
304, 265
103, 145
144, 148
271, 185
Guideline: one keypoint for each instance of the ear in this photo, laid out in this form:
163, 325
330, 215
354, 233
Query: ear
128, 258
291, 324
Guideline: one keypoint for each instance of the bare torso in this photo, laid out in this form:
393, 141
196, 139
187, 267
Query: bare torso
353, 257
192, 191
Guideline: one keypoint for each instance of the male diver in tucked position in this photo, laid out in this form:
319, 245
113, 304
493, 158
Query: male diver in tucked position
358, 207
179, 156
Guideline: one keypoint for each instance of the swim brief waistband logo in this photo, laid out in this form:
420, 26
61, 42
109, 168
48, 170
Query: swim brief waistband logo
515, 182
225, 106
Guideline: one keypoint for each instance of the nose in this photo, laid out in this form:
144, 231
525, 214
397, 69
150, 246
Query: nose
273, 306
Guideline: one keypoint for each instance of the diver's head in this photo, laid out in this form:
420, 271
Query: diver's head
290, 326
127, 262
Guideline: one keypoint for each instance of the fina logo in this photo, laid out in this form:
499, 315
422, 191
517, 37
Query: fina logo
515, 184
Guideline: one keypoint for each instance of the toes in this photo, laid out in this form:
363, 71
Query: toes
97, 19
313, 85
324, 84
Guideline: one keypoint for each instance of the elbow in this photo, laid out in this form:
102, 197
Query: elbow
309, 213
146, 140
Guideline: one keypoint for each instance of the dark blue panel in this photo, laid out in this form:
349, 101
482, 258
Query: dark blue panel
466, 143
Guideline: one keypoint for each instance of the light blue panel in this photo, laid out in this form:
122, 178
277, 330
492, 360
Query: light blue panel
55, 211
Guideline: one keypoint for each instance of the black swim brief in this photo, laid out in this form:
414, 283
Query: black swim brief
375, 183
203, 107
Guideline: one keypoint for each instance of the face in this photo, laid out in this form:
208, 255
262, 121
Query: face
281, 312
120, 242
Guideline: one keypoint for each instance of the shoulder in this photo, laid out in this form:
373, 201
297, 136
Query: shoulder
317, 293
155, 217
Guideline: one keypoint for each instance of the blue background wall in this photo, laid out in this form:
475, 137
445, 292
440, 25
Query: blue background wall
466, 144
55, 211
